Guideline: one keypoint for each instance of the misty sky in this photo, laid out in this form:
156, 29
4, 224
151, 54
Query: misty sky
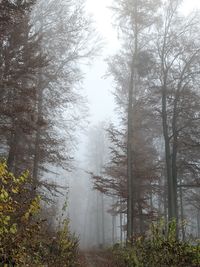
98, 89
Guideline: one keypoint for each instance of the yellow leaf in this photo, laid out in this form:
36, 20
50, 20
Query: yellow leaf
15, 190
13, 229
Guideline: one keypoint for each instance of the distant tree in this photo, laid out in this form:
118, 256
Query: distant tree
113, 179
97, 154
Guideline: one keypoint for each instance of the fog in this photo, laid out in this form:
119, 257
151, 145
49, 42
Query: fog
100, 103
83, 199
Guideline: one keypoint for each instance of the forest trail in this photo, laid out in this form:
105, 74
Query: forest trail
97, 259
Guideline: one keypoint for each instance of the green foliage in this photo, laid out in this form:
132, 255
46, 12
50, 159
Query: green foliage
158, 250
17, 209
25, 238
65, 247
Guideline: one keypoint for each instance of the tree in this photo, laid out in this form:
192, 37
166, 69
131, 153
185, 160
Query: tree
97, 156
68, 39
134, 18
41, 75
176, 78
160, 61
20, 64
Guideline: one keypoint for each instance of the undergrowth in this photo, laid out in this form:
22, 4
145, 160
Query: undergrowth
158, 250
25, 236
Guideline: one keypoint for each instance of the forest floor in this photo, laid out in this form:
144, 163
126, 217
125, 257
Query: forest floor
96, 258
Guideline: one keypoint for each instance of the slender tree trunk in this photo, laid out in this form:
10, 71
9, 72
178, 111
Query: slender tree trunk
165, 203
198, 223
141, 219
38, 130
121, 222
113, 223
130, 143
174, 157
37, 139
182, 213
103, 219
168, 158
151, 199
124, 223
13, 150
97, 219
160, 199
129, 158
113, 229
167, 151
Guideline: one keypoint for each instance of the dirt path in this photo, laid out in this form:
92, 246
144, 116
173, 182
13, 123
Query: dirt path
97, 259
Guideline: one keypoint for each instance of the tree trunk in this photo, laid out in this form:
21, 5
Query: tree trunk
182, 213
130, 149
198, 223
103, 219
130, 161
174, 156
37, 139
121, 231
167, 154
113, 229
12, 151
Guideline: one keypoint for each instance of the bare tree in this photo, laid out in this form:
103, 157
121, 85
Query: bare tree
177, 67
134, 18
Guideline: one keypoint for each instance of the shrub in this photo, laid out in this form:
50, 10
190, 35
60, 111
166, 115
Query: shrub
158, 250
64, 250
17, 209
25, 239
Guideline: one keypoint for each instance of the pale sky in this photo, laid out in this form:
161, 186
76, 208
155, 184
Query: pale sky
98, 89
189, 5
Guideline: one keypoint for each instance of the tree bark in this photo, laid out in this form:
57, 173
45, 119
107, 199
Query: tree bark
130, 160
182, 213
130, 142
37, 139
12, 151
